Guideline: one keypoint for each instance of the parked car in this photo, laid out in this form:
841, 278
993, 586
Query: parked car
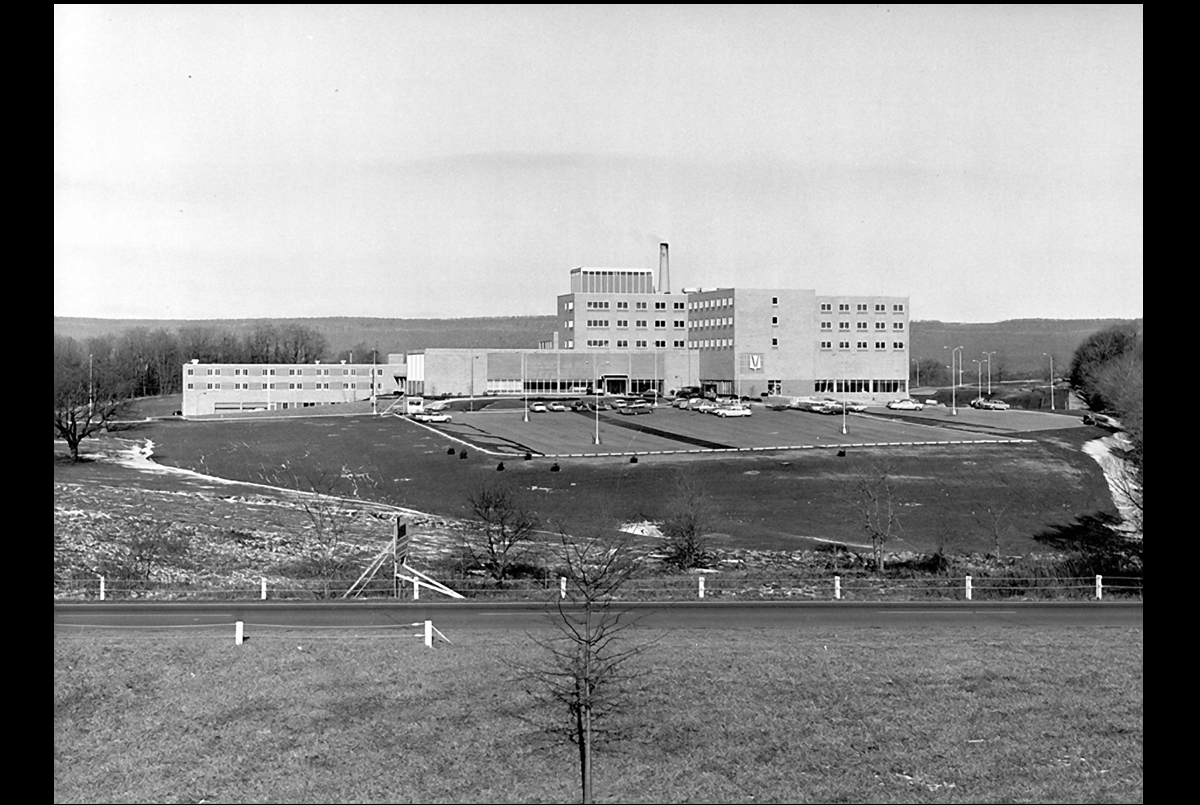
537, 408
682, 402
905, 405
619, 403
829, 407
705, 407
431, 416
556, 407
856, 407
1103, 421
634, 408
732, 410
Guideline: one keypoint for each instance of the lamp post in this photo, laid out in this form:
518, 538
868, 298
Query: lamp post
953, 378
524, 390
978, 376
1051, 357
845, 383
989, 360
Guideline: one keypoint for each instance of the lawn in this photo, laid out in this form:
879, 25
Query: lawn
787, 500
957, 715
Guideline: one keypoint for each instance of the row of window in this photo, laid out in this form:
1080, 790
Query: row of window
859, 307
280, 386
604, 305
622, 344
659, 324
270, 372
858, 386
861, 345
862, 325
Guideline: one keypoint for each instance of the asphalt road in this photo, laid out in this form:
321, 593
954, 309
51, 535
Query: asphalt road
797, 616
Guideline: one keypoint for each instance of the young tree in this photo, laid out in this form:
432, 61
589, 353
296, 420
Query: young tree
586, 669
873, 503
506, 529
687, 522
86, 401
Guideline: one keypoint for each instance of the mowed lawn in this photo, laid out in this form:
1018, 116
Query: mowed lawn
777, 500
992, 714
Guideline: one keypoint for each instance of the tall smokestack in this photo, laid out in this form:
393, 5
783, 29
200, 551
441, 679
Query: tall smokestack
664, 270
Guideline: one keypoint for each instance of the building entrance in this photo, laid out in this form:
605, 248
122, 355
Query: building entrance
615, 384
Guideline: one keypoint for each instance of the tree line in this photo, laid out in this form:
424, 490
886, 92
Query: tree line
145, 362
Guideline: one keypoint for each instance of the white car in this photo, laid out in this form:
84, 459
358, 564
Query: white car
905, 405
732, 411
431, 416
537, 408
556, 407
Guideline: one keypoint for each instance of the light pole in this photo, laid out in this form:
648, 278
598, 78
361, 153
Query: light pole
953, 378
978, 376
1051, 357
524, 391
845, 383
989, 360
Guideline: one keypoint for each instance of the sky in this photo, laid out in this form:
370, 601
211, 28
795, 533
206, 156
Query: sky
451, 161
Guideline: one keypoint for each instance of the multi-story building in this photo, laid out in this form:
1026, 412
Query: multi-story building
210, 388
620, 333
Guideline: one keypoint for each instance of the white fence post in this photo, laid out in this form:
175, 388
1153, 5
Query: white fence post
101, 588
416, 589
1099, 587
237, 633
264, 589
562, 586
968, 588
837, 588
701, 586
429, 634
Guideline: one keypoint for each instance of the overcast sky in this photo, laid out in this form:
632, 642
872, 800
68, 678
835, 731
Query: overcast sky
244, 162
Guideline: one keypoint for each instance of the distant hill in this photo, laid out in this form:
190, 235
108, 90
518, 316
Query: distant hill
1019, 344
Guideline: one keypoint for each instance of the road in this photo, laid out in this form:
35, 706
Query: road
798, 616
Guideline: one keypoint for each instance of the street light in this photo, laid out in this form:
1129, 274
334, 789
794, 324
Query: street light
953, 386
524, 391
845, 383
978, 375
1051, 357
989, 360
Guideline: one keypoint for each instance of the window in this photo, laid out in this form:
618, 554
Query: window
210, 371
897, 308
775, 321
660, 305
237, 373
323, 372
597, 305
678, 344
570, 305
353, 385
843, 308
774, 300
322, 385
208, 385
571, 344
597, 342
293, 386
640, 343
622, 344
660, 323
660, 344
897, 325
826, 325
826, 345
640, 305
622, 306
680, 323
597, 323
881, 308
679, 306
862, 325
641, 322
293, 372
622, 322
774, 387
569, 324
898, 345
843, 345
862, 345
880, 345
843, 325
826, 307
879, 325
861, 308
774, 342
190, 385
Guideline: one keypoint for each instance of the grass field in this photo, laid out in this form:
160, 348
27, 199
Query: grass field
770, 501
958, 715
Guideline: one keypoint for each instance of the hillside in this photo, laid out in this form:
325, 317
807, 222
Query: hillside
1020, 344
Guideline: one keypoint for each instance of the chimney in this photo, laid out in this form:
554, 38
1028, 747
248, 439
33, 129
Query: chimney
664, 270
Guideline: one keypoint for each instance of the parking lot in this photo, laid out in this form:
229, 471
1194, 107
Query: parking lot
672, 430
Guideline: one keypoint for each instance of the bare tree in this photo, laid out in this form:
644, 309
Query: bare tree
875, 506
687, 522
86, 401
586, 668
506, 530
